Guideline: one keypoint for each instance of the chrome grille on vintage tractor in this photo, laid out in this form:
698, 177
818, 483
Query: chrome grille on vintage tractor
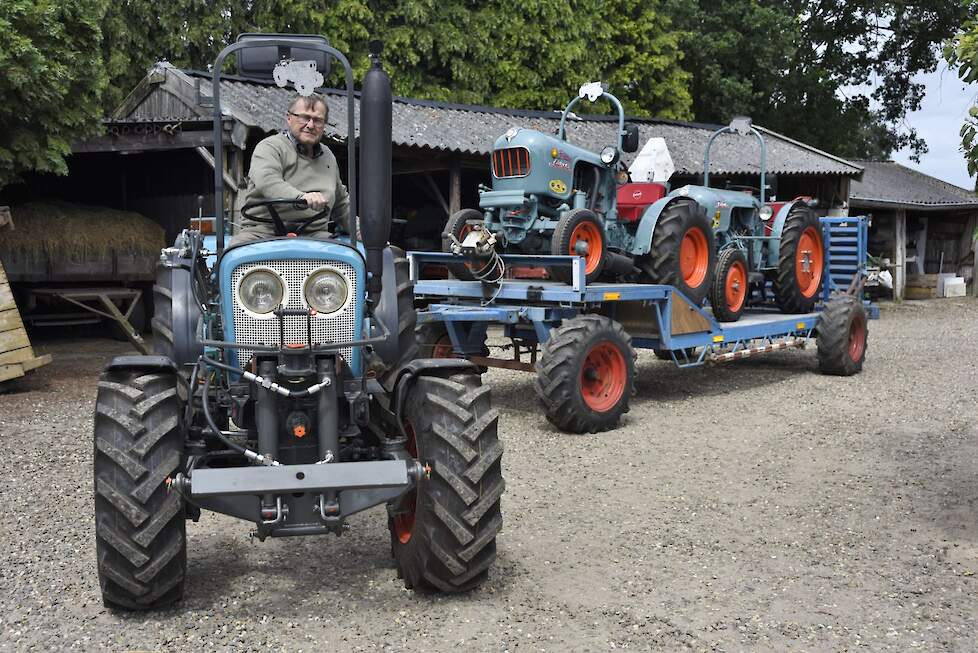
250, 328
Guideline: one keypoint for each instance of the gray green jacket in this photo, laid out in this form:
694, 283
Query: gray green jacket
279, 170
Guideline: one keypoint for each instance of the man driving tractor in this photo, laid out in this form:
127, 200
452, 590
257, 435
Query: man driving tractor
294, 163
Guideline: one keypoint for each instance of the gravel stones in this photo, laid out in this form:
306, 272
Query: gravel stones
752, 506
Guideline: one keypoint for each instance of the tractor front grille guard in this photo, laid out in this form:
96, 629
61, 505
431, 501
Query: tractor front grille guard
511, 162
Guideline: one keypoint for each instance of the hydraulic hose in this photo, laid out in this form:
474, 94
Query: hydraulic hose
268, 384
247, 453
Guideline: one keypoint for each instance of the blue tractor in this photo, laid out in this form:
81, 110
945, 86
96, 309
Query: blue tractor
286, 389
549, 196
765, 249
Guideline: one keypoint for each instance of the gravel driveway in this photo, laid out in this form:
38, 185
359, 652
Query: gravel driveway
753, 506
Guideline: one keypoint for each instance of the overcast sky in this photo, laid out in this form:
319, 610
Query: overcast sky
938, 122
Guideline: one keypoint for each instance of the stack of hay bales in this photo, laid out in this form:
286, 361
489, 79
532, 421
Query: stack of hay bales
56, 241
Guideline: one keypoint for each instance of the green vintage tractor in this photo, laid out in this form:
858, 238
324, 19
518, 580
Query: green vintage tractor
549, 196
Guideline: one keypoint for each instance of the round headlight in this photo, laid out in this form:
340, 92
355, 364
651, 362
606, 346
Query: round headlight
766, 213
609, 155
261, 291
326, 291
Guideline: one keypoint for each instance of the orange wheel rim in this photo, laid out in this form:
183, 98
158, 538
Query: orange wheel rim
694, 257
735, 286
603, 377
443, 348
809, 258
590, 235
857, 338
404, 522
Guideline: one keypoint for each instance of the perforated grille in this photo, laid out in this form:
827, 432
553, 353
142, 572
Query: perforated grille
335, 327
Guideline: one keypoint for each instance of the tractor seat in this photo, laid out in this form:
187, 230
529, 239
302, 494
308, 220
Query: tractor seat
633, 199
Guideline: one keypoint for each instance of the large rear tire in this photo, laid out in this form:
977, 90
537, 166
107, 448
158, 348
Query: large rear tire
140, 529
683, 252
842, 336
443, 534
434, 342
459, 225
801, 258
728, 296
579, 233
175, 312
407, 318
586, 374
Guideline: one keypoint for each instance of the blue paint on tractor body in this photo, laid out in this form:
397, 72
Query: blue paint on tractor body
279, 249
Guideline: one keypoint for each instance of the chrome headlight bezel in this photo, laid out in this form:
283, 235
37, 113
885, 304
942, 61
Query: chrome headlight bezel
334, 307
251, 307
766, 212
610, 155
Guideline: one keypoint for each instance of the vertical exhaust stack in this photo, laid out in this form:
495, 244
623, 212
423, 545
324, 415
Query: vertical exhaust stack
375, 168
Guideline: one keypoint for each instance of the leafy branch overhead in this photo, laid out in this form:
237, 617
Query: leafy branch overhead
835, 74
962, 51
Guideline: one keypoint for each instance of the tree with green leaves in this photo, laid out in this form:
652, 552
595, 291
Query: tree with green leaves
833, 73
52, 82
962, 52
524, 55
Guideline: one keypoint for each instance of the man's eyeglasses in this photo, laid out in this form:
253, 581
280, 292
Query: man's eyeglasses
305, 118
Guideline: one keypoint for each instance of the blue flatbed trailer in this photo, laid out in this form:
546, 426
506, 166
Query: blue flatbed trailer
459, 313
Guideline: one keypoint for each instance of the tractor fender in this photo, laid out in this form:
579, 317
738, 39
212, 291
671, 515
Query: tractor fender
150, 363
408, 374
386, 311
777, 226
650, 217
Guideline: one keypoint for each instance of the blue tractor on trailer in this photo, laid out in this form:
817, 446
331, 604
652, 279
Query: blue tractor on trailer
580, 338
550, 196
286, 390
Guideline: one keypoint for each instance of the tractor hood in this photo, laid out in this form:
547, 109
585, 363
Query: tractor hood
713, 199
533, 162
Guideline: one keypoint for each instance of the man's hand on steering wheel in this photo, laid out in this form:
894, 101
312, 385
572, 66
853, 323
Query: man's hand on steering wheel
316, 201
295, 226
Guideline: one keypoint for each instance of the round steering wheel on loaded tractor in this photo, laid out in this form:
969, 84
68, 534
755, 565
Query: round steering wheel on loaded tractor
283, 228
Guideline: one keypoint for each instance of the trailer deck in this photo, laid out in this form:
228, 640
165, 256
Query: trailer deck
459, 313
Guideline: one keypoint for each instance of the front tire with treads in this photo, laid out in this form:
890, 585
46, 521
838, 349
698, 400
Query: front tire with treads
443, 534
140, 529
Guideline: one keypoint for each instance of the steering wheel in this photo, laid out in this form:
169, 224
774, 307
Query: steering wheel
282, 228
754, 190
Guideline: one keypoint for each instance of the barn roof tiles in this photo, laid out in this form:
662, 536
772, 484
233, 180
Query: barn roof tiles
886, 184
471, 130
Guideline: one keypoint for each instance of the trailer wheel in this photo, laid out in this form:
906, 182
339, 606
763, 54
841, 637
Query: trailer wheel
842, 335
728, 296
140, 530
443, 533
459, 225
579, 233
586, 374
683, 250
801, 257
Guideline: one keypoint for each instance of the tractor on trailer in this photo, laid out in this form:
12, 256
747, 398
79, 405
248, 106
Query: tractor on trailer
550, 196
580, 338
287, 392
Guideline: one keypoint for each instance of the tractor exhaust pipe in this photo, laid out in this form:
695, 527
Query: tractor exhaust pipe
375, 168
